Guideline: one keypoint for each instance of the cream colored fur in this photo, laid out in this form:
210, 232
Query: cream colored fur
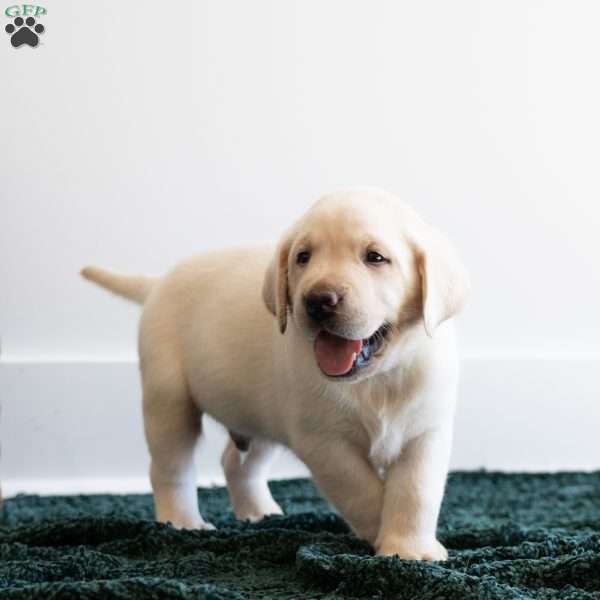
378, 443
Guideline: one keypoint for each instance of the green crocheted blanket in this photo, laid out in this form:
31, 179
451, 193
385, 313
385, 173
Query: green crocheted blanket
509, 536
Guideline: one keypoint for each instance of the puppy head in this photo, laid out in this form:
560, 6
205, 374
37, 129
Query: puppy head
353, 273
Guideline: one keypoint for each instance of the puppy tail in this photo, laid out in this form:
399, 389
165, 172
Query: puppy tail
134, 288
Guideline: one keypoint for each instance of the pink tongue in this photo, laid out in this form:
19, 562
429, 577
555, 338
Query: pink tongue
335, 355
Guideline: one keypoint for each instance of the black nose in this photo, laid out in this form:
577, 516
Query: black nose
321, 305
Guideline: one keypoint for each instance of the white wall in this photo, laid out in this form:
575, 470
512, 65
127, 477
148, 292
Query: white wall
139, 133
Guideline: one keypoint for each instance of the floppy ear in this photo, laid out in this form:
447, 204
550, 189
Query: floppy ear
445, 284
275, 285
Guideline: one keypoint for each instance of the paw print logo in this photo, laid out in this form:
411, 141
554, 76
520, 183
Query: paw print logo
24, 32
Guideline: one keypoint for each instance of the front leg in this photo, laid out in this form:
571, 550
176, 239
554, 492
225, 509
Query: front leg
348, 480
414, 488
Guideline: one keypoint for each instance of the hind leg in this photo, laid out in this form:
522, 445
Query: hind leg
173, 426
246, 475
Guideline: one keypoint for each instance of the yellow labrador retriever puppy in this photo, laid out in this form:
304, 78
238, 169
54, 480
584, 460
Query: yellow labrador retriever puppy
357, 372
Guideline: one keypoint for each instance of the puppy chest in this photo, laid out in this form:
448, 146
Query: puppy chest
389, 431
384, 437
386, 445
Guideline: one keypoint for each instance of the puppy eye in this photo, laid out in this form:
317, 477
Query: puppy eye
302, 257
376, 258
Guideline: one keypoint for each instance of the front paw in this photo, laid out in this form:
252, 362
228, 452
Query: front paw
411, 548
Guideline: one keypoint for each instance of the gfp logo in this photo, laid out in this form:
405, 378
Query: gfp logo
24, 29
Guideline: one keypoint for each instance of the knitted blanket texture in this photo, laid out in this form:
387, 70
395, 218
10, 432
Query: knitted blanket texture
510, 536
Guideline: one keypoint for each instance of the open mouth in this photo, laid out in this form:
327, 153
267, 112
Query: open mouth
341, 357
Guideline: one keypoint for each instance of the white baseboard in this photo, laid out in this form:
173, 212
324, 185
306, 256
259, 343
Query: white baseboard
82, 485
75, 426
